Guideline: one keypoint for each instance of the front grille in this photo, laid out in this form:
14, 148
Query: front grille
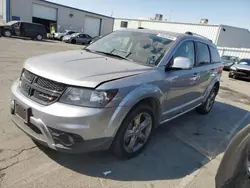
28, 75
244, 71
39, 89
49, 84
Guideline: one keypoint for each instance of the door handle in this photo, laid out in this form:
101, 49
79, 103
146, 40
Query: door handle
195, 76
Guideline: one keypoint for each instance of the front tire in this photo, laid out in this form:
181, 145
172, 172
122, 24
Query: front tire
230, 75
73, 41
206, 107
134, 133
7, 33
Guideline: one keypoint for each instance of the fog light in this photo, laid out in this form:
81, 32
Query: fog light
66, 139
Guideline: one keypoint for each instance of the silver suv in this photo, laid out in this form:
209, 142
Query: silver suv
113, 93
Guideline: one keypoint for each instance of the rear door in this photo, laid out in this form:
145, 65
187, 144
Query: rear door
27, 30
203, 66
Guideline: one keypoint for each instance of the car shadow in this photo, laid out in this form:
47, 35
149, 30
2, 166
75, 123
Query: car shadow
174, 150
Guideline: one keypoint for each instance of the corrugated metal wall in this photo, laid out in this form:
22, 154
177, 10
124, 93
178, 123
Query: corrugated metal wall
233, 37
209, 31
238, 52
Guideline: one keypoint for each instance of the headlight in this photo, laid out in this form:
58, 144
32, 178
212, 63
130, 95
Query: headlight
233, 68
87, 97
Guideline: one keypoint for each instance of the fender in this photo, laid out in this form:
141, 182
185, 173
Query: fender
131, 100
210, 86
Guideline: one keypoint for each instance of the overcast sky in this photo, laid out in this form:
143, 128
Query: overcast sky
228, 12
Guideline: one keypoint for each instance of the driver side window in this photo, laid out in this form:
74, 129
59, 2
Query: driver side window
16, 25
186, 49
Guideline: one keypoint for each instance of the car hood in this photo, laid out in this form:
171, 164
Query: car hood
81, 68
243, 67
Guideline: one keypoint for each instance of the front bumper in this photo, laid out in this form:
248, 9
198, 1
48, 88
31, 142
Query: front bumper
94, 128
66, 40
240, 73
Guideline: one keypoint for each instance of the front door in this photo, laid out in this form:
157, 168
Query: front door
182, 91
17, 28
81, 39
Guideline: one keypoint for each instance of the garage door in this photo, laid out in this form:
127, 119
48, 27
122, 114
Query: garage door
44, 12
92, 26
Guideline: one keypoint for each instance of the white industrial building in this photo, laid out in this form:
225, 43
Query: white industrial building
221, 35
56, 17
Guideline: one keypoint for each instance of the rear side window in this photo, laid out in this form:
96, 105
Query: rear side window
203, 56
215, 57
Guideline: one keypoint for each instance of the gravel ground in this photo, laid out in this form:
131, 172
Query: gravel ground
182, 153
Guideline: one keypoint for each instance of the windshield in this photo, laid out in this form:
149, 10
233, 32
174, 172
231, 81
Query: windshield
11, 22
229, 58
144, 48
245, 62
75, 34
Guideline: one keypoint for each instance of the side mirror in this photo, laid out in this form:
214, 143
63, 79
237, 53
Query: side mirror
181, 63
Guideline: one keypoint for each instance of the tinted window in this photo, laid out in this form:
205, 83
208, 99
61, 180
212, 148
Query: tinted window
87, 36
124, 24
203, 56
245, 62
70, 32
186, 49
16, 24
214, 55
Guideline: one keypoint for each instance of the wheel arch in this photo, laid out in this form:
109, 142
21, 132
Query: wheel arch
149, 95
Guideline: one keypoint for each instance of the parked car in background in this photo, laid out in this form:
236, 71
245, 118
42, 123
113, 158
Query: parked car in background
77, 38
59, 36
24, 29
241, 69
229, 61
234, 169
114, 92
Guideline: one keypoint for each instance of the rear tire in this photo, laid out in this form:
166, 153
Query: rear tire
39, 37
61, 38
206, 107
130, 133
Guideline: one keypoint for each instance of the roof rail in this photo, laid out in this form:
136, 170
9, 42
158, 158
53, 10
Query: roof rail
197, 35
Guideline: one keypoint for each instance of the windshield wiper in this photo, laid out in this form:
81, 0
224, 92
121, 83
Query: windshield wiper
114, 55
86, 49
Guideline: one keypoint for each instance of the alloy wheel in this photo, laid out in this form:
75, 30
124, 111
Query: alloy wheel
7, 33
137, 132
248, 164
210, 100
39, 37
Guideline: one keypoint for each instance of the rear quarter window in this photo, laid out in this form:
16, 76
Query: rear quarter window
215, 57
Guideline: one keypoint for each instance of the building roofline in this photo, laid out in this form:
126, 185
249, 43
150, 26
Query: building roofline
234, 27
213, 25
75, 9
